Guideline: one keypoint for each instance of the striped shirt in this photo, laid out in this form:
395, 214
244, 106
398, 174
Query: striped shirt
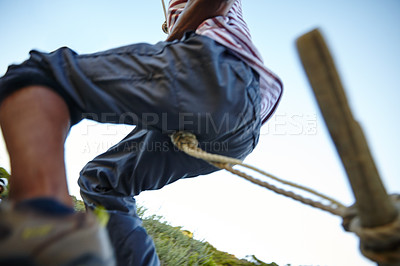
232, 32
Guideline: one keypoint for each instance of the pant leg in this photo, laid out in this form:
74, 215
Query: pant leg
131, 243
145, 160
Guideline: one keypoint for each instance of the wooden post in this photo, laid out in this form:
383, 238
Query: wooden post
373, 204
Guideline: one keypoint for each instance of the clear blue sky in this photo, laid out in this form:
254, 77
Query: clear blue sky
235, 216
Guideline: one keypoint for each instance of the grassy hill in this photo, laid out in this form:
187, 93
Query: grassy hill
178, 247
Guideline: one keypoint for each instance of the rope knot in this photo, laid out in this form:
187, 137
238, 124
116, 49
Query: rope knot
183, 140
164, 27
380, 244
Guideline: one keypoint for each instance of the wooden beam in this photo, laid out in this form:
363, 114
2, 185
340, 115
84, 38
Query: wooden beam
373, 204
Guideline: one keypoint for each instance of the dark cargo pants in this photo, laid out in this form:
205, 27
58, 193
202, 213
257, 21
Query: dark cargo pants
193, 84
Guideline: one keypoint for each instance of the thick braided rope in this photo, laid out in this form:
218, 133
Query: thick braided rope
382, 243
188, 143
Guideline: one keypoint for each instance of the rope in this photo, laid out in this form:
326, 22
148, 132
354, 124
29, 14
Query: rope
380, 244
164, 25
188, 143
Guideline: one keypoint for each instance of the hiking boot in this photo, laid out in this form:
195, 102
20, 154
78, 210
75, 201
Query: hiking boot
32, 237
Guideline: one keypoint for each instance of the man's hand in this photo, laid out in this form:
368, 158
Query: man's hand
195, 12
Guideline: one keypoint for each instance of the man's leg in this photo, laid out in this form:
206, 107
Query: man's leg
39, 227
35, 123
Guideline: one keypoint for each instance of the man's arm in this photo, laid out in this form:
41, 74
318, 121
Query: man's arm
195, 12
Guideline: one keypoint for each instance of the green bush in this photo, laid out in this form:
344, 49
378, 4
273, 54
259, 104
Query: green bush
6, 175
